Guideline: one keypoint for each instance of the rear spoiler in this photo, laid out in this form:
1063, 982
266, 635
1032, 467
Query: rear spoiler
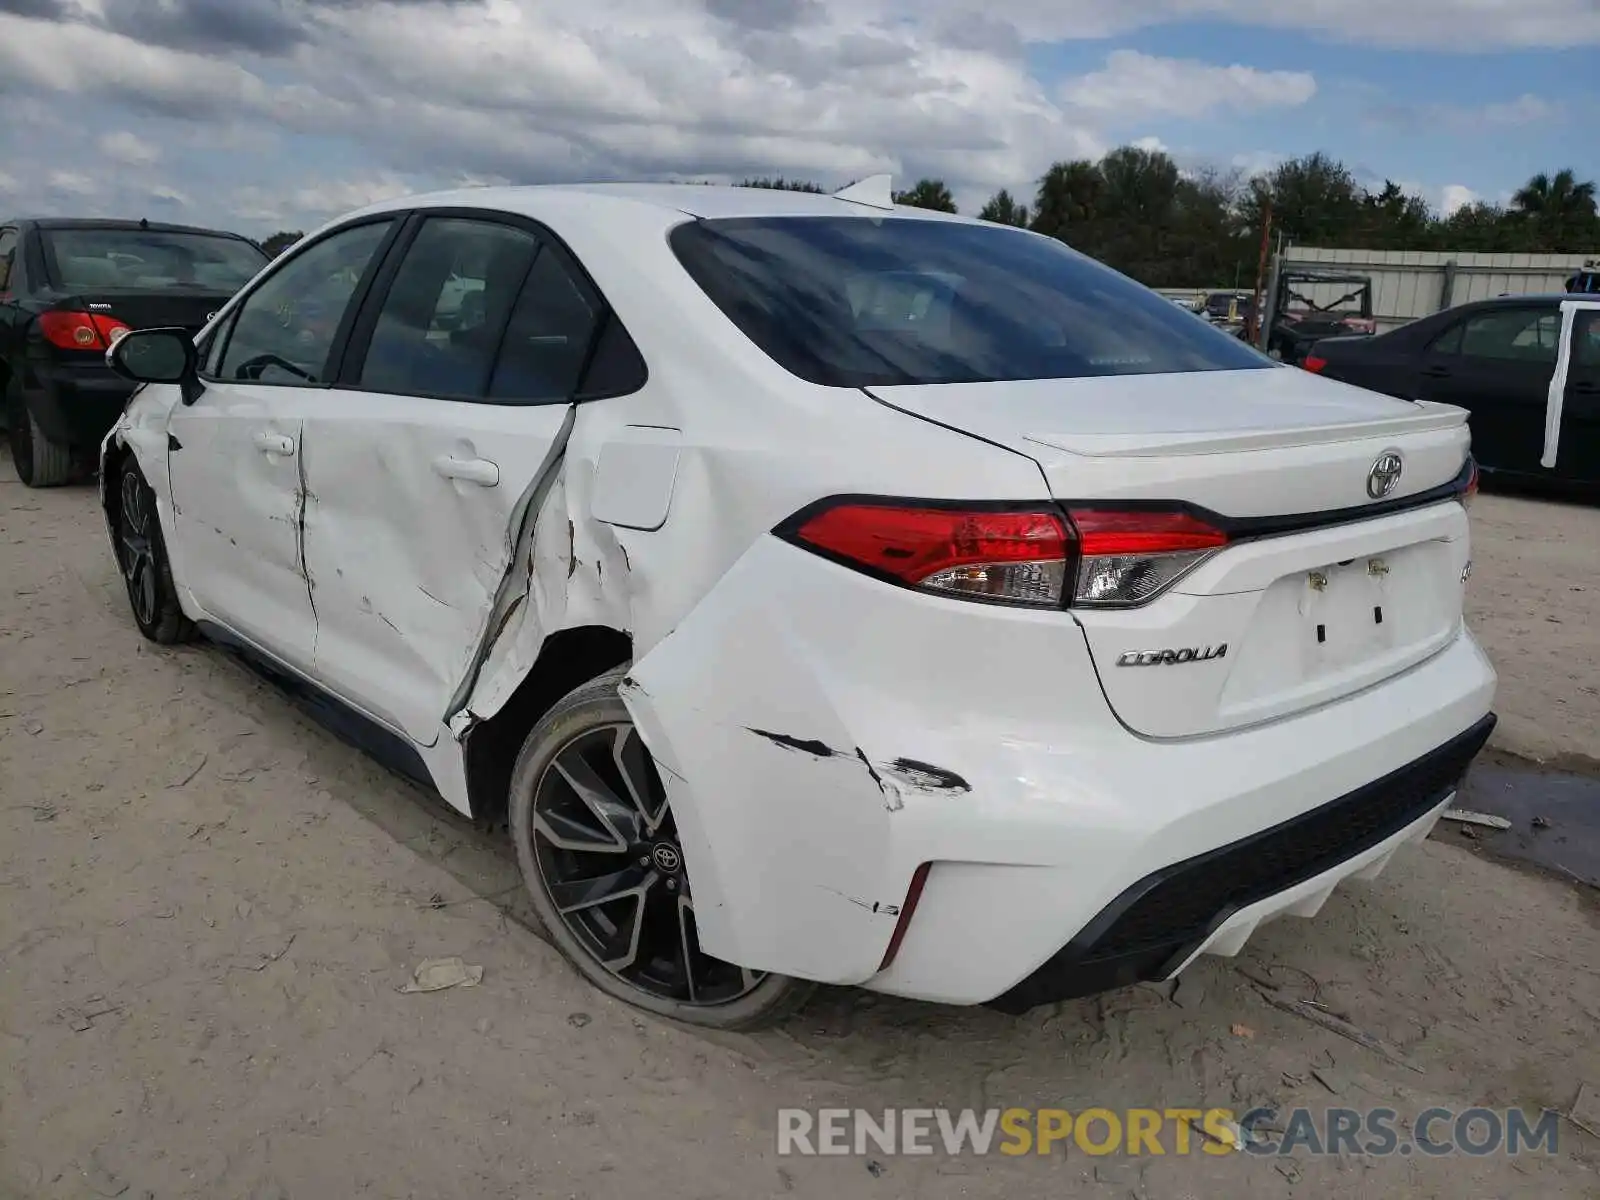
1420, 416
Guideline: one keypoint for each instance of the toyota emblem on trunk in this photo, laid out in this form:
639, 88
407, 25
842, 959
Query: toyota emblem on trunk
1385, 474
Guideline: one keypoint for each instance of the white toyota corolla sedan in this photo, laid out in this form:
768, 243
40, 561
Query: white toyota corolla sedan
819, 590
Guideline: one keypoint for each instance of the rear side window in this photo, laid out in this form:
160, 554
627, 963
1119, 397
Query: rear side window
442, 322
863, 301
547, 341
1526, 335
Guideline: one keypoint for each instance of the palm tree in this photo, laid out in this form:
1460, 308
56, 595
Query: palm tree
1559, 196
1560, 208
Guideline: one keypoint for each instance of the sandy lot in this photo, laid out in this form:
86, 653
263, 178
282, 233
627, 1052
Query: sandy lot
1534, 600
207, 906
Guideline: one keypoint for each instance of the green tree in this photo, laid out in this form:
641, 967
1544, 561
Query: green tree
1068, 196
1003, 210
1315, 201
1560, 209
779, 183
281, 241
1393, 219
928, 193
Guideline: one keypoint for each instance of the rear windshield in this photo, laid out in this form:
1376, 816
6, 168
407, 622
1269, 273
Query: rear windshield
864, 301
149, 259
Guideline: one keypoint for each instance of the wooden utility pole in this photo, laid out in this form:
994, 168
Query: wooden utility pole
1253, 325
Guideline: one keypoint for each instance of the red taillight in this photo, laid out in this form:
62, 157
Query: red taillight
80, 330
1471, 490
1314, 363
1114, 557
1129, 556
1014, 556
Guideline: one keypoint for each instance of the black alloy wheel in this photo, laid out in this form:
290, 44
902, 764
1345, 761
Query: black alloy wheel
608, 854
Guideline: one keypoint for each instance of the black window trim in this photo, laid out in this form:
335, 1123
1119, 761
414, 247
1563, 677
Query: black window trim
16, 253
227, 318
359, 340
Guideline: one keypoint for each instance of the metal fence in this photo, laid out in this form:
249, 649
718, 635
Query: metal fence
1407, 284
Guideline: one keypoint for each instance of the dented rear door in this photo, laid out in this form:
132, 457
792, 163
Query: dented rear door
411, 513
423, 464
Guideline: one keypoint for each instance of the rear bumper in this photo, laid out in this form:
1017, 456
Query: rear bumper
75, 404
822, 736
1214, 901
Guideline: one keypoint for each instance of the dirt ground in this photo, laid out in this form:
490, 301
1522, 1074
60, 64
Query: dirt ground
207, 906
1534, 600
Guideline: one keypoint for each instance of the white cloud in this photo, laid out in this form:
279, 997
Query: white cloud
1455, 196
126, 148
412, 94
1151, 143
1133, 85
1257, 162
1526, 109
1418, 24
73, 183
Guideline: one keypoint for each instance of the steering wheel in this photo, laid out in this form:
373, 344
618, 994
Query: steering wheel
251, 368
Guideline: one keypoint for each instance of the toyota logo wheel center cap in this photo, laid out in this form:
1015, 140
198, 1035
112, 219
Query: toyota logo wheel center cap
1384, 476
666, 857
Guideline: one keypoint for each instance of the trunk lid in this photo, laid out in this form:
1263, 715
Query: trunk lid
186, 309
1310, 601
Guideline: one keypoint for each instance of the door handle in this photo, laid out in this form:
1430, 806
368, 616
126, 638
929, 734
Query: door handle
272, 443
1436, 372
470, 470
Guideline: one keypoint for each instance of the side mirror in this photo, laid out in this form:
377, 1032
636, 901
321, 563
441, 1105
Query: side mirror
157, 356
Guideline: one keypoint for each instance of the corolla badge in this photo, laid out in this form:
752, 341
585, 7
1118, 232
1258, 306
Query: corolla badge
1168, 658
1385, 474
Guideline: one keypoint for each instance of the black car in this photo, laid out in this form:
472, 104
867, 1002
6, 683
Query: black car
1497, 359
68, 288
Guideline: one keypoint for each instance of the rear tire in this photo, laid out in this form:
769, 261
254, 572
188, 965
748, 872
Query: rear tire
611, 889
142, 558
39, 462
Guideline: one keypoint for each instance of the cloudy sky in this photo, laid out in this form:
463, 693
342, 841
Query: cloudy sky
265, 114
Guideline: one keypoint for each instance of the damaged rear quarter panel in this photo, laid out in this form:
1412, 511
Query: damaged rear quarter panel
798, 861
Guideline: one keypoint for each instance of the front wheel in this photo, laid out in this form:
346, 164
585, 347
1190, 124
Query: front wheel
602, 861
142, 558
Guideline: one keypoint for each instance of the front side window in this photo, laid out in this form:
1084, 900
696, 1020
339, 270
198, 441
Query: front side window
863, 301
1517, 335
151, 260
1586, 334
285, 329
445, 316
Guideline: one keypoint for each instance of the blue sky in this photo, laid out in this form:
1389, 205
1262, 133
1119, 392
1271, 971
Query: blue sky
1486, 120
266, 114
